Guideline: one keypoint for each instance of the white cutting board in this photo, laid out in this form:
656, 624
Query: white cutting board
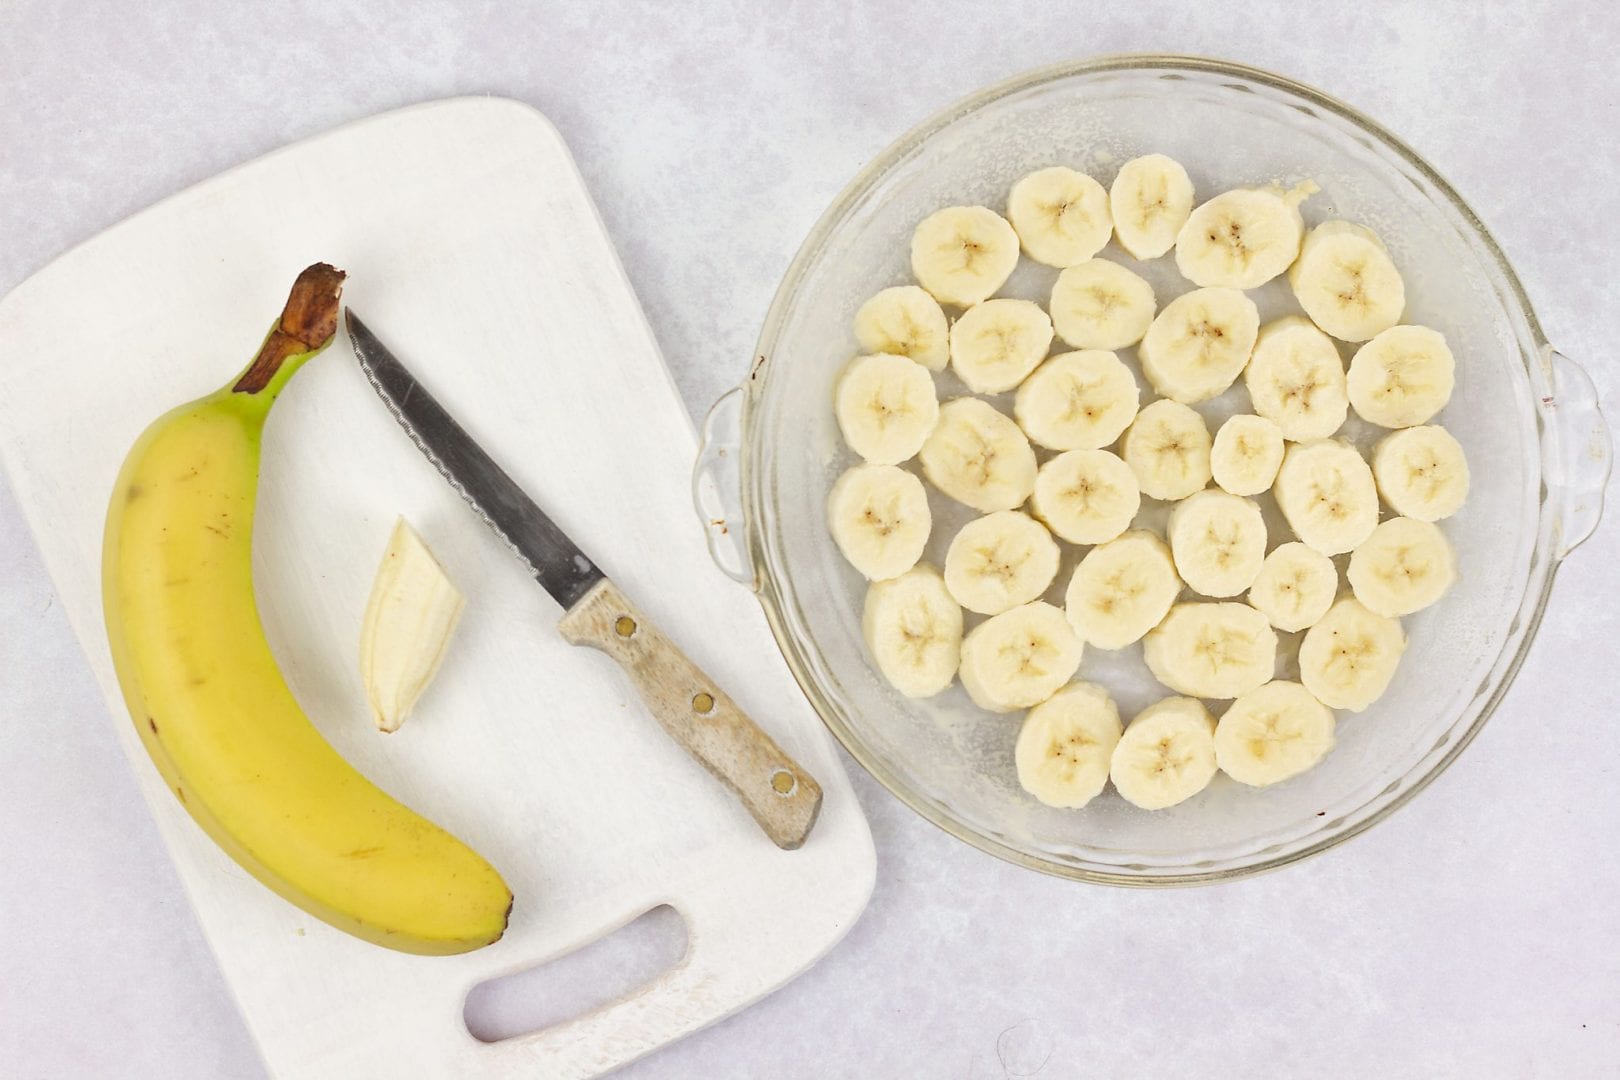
475, 252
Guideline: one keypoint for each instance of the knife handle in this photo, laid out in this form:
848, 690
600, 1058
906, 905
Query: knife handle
781, 796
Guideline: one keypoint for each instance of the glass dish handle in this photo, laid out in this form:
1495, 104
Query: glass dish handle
717, 487
1578, 469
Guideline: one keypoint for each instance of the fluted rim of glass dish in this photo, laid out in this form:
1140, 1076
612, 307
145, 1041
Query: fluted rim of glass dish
1543, 562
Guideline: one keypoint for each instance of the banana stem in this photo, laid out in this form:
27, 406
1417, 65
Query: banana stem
306, 326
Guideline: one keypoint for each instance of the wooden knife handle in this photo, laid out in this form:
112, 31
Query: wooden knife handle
781, 796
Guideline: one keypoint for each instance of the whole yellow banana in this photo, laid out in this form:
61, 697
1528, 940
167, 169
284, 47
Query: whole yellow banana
210, 703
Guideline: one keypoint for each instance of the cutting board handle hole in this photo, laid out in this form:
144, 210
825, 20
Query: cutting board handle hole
611, 968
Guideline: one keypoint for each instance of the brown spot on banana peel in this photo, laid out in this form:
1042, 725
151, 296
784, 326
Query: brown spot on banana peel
307, 322
362, 853
134, 492
151, 723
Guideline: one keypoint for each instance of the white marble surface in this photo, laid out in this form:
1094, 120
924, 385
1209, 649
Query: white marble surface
1474, 934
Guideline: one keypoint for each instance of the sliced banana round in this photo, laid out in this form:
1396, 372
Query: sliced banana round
886, 407
1346, 281
1000, 561
880, 520
1404, 566
914, 631
1347, 659
1099, 304
1296, 380
1150, 200
1212, 650
1239, 239
978, 457
1121, 590
1077, 401
1218, 541
1168, 447
963, 254
1325, 491
1247, 452
1295, 587
1019, 658
1166, 756
1066, 744
1198, 345
1402, 377
905, 321
1086, 496
1421, 472
1061, 216
1272, 734
996, 343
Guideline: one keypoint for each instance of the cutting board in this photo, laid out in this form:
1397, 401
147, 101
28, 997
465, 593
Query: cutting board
475, 251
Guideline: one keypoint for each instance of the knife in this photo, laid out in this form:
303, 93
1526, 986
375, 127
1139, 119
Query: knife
781, 796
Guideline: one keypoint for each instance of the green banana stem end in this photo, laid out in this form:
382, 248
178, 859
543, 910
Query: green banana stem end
307, 324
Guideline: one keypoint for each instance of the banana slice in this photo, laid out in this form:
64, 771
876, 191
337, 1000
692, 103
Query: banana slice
914, 631
1199, 344
1347, 659
1121, 590
1272, 734
905, 321
880, 520
1421, 472
1066, 744
978, 457
1402, 377
1296, 380
1019, 658
1168, 448
963, 254
1246, 455
1101, 305
1325, 491
1151, 199
1212, 650
1404, 566
1346, 281
1166, 756
1061, 216
1000, 561
1218, 541
1240, 239
886, 407
1295, 587
996, 343
1086, 496
1077, 401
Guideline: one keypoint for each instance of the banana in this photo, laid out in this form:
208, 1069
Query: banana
1296, 380
1347, 659
1240, 239
1066, 744
1211, 650
1325, 492
1346, 281
1402, 377
914, 631
979, 457
1421, 472
963, 254
905, 321
210, 704
1061, 216
1151, 199
1000, 561
1198, 345
1272, 734
1295, 587
1247, 452
1077, 401
1121, 590
413, 609
1086, 496
1019, 658
1218, 541
879, 518
1099, 304
996, 343
1404, 566
1167, 446
1167, 754
886, 407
